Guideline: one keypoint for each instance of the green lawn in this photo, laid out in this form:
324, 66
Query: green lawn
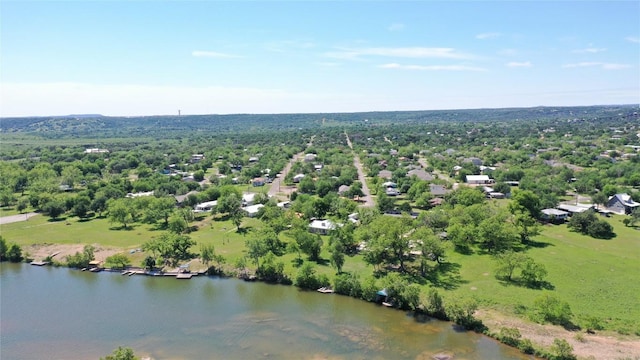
596, 277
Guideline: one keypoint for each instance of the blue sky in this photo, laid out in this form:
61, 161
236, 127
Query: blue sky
215, 57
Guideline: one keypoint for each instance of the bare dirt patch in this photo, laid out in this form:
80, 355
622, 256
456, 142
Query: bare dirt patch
595, 346
41, 251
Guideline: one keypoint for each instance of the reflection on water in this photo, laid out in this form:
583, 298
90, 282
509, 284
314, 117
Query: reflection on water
66, 314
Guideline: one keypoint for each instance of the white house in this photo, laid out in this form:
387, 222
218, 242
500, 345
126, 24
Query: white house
205, 206
622, 204
310, 157
140, 194
252, 210
479, 179
554, 215
297, 178
248, 199
321, 227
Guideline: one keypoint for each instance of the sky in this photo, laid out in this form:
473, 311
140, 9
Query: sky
131, 58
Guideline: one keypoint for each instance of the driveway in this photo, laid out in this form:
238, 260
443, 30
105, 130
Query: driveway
15, 218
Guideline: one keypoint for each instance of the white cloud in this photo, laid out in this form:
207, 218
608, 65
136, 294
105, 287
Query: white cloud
431, 67
489, 35
589, 50
214, 54
633, 39
396, 27
606, 66
401, 52
515, 64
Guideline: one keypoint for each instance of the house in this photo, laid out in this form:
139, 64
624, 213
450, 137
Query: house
317, 167
180, 199
474, 160
95, 151
438, 190
258, 182
248, 199
389, 184
574, 209
478, 179
310, 157
322, 227
393, 152
140, 194
297, 178
420, 174
496, 195
343, 189
436, 201
385, 174
253, 159
392, 192
284, 204
196, 158
252, 210
205, 206
354, 218
622, 204
553, 215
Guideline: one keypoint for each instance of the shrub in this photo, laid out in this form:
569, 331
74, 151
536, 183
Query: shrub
347, 284
510, 336
526, 346
434, 305
562, 350
547, 308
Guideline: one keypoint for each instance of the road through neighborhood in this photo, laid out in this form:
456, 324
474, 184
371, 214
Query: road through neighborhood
368, 200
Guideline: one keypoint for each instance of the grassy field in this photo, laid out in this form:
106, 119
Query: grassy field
596, 277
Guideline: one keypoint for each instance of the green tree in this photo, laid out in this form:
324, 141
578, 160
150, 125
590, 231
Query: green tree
462, 312
149, 262
4, 247
310, 244
525, 201
121, 211
121, 354
533, 273
54, 208
256, 249
337, 256
562, 350
118, 261
81, 206
14, 253
508, 262
22, 204
306, 278
547, 308
177, 224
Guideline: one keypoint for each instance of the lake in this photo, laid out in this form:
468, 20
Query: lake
59, 313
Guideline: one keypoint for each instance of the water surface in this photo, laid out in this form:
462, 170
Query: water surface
58, 313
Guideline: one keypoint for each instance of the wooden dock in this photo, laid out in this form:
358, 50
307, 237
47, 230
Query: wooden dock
184, 276
39, 263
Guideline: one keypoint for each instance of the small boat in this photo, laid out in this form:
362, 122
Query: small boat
325, 290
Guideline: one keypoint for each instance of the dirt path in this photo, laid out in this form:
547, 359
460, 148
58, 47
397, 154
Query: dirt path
595, 346
276, 185
368, 200
40, 251
16, 218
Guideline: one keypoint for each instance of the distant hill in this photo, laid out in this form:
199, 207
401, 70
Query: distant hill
95, 125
